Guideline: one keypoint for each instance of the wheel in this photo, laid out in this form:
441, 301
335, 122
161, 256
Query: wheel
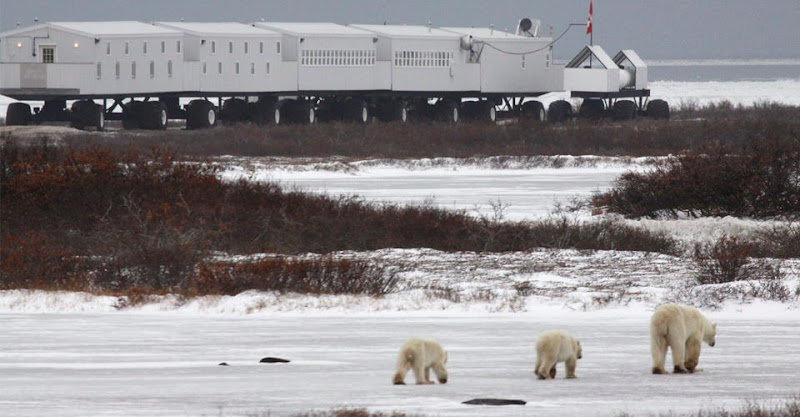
393, 111
18, 114
592, 109
153, 115
234, 110
658, 109
623, 110
300, 111
200, 114
448, 111
533, 110
559, 111
358, 111
488, 112
86, 113
130, 114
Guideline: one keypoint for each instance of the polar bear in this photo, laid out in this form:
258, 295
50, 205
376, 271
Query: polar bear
421, 355
556, 346
682, 329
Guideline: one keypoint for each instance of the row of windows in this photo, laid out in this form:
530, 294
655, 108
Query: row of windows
246, 47
127, 47
426, 59
236, 68
337, 57
118, 68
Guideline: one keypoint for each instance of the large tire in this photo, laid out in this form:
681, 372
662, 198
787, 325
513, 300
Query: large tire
87, 114
234, 110
448, 111
201, 114
358, 111
153, 115
592, 109
658, 109
487, 112
300, 111
623, 110
533, 110
130, 114
394, 111
18, 114
559, 111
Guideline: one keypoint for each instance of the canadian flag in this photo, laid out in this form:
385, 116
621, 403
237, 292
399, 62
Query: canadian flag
589, 22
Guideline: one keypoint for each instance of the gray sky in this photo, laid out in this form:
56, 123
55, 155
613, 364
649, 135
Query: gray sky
654, 28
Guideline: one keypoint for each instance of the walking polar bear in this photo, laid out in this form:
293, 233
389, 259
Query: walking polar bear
421, 355
556, 346
682, 329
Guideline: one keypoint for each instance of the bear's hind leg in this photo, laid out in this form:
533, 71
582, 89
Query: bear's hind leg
400, 375
678, 348
658, 350
546, 368
692, 354
419, 374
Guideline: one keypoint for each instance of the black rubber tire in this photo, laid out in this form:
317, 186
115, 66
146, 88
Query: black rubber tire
592, 109
358, 111
533, 110
394, 111
448, 111
623, 110
658, 109
201, 114
130, 114
18, 114
234, 110
87, 114
153, 115
487, 112
559, 111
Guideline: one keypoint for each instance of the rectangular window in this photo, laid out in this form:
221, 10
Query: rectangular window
213, 47
108, 48
179, 46
169, 68
133, 70
152, 69
144, 47
267, 67
237, 68
523, 61
205, 68
230, 47
99, 70
127, 49
48, 55
163, 47
252, 68
116, 70
246, 47
219, 67
261, 47
278, 47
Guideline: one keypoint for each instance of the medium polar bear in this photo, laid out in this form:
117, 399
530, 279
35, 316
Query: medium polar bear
421, 355
682, 329
556, 346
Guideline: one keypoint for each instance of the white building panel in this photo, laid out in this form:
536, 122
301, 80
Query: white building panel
425, 59
94, 58
331, 57
234, 58
512, 64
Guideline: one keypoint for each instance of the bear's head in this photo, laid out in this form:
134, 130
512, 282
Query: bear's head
578, 349
710, 334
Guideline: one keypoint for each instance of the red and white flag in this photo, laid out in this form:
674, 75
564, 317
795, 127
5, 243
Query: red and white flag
589, 22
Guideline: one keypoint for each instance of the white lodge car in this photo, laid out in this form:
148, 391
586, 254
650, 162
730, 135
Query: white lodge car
272, 72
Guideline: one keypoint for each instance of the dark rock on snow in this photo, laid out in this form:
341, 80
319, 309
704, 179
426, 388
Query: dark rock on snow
493, 401
270, 359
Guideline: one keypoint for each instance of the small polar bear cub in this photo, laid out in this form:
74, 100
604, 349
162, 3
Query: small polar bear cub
420, 356
681, 329
556, 346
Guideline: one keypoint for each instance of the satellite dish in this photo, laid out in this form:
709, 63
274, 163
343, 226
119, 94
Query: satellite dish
525, 25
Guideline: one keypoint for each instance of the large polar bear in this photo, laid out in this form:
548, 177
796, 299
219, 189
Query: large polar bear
421, 355
682, 329
556, 346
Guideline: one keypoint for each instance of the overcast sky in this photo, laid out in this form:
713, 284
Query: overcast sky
654, 28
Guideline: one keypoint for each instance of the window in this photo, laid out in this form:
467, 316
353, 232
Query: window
230, 47
126, 48
213, 47
219, 67
252, 68
205, 68
163, 47
144, 47
99, 70
267, 68
152, 69
237, 68
169, 68
523, 61
179, 46
116, 70
108, 48
547, 61
245, 47
278, 47
48, 54
133, 70
261, 47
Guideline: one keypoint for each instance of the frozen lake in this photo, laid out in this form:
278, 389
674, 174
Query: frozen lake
132, 364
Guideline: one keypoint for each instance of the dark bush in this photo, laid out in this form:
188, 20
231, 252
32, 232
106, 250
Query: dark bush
722, 261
